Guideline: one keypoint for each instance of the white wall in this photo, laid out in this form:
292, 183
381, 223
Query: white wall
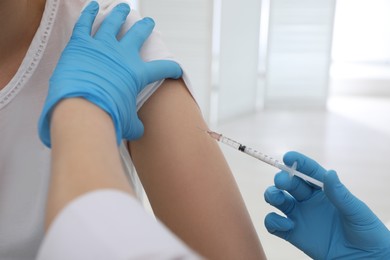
238, 57
298, 57
298, 63
186, 27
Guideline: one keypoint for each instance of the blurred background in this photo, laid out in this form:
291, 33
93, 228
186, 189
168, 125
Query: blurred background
279, 75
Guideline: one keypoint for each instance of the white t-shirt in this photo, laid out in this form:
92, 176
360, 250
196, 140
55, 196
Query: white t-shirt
24, 160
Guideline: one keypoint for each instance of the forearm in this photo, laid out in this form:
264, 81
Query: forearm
187, 179
85, 156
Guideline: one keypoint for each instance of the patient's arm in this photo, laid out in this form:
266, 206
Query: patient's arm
187, 179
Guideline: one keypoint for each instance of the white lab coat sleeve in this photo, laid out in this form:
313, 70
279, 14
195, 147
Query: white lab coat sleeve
109, 224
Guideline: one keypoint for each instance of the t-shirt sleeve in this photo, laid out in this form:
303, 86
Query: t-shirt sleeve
154, 48
110, 224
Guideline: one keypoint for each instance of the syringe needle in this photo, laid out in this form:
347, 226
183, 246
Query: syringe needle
214, 135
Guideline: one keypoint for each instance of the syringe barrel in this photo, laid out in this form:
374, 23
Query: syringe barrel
252, 152
262, 157
230, 142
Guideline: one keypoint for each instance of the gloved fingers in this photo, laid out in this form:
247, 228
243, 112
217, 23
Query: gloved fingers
279, 199
306, 165
161, 69
112, 24
138, 33
351, 207
297, 187
84, 24
278, 225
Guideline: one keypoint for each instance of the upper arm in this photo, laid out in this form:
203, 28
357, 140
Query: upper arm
187, 179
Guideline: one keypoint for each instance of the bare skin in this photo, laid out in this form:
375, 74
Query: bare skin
187, 180
19, 21
85, 156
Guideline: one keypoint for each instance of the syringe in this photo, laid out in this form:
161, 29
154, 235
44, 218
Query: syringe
263, 157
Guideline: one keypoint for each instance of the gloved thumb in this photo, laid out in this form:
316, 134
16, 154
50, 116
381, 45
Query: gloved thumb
135, 129
347, 204
161, 69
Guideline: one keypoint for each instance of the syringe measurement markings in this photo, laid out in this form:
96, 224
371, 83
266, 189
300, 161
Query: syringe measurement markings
252, 152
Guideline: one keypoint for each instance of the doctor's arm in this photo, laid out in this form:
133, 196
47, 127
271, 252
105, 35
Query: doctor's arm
103, 72
85, 156
91, 205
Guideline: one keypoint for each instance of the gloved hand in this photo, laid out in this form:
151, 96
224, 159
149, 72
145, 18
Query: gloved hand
325, 224
106, 71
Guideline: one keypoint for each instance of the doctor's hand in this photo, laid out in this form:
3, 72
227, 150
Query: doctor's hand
107, 71
325, 224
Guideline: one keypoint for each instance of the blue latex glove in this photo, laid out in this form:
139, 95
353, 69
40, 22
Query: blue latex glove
106, 71
329, 224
